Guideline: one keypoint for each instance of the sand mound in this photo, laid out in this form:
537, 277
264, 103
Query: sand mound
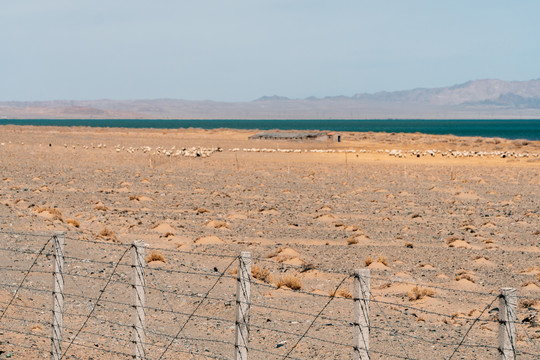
482, 261
460, 244
217, 224
465, 283
469, 195
326, 218
209, 240
236, 216
286, 256
164, 228
531, 287
377, 266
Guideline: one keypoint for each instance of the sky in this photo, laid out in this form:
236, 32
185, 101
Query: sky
240, 50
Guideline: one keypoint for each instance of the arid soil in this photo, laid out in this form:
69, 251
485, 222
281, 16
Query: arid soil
459, 225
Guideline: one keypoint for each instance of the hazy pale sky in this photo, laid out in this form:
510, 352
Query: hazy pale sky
239, 50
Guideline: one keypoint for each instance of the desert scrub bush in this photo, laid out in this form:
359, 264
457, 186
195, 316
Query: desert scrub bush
155, 255
74, 223
353, 240
526, 303
382, 260
290, 281
261, 273
341, 293
368, 261
464, 275
417, 293
57, 215
108, 234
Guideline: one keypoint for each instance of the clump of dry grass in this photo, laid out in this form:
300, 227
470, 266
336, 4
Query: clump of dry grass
101, 207
155, 255
526, 303
37, 328
108, 234
290, 281
368, 261
353, 240
341, 293
382, 260
57, 215
74, 223
201, 210
134, 198
417, 293
463, 275
261, 273
527, 283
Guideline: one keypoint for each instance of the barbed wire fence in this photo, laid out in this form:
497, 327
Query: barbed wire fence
139, 302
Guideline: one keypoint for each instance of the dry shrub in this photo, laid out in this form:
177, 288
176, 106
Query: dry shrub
451, 239
409, 245
108, 234
74, 222
101, 207
155, 255
368, 261
37, 328
134, 198
417, 293
53, 211
526, 303
352, 240
462, 274
201, 210
382, 260
261, 273
341, 293
290, 281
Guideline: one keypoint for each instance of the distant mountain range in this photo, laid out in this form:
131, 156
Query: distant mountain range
487, 99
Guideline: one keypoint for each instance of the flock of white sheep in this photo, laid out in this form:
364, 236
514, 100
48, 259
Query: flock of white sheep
206, 152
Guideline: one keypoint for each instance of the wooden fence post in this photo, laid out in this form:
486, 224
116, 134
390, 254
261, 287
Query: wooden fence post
361, 314
57, 295
137, 263
242, 306
507, 324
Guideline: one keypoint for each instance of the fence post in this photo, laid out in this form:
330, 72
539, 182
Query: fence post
242, 305
361, 314
137, 263
57, 295
507, 324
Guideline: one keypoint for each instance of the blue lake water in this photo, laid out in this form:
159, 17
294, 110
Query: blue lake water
510, 129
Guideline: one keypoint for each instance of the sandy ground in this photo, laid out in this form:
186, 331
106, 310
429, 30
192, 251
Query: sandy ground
435, 213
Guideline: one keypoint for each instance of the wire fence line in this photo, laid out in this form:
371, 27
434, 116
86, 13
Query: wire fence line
199, 305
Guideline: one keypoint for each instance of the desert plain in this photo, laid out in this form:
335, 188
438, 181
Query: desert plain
442, 222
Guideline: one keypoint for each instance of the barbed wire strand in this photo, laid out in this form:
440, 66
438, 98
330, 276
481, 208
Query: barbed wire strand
95, 304
196, 308
25, 276
385, 317
316, 317
470, 327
